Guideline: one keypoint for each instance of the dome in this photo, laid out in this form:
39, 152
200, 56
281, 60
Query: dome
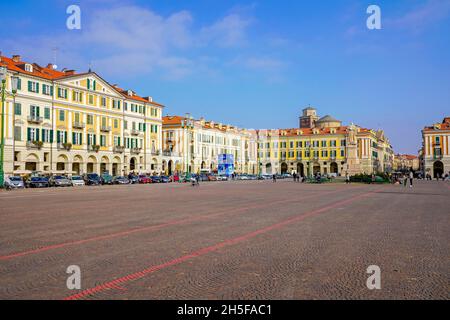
328, 122
327, 118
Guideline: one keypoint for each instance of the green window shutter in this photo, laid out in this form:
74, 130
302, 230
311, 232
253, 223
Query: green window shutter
65, 137
19, 84
29, 86
51, 90
118, 141
65, 93
37, 135
37, 87
58, 136
81, 138
95, 85
88, 84
43, 134
28, 134
95, 139
73, 137
51, 136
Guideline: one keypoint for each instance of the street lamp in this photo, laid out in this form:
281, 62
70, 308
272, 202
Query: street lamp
3, 72
14, 87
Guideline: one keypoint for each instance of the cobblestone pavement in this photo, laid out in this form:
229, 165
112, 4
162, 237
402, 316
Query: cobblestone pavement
230, 240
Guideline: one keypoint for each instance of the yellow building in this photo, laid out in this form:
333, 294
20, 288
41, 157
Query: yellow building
323, 145
64, 122
436, 153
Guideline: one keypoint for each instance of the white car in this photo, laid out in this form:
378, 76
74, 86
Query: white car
77, 181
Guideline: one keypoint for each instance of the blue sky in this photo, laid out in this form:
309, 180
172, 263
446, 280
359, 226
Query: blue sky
256, 64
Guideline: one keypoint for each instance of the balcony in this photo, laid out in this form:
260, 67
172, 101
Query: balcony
64, 146
135, 150
35, 119
118, 149
135, 132
156, 153
78, 125
34, 144
93, 148
105, 128
171, 154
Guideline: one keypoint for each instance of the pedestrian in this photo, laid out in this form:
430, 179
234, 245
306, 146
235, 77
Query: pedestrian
405, 180
411, 177
295, 177
347, 178
274, 178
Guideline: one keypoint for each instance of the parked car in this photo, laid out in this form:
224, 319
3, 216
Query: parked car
175, 178
59, 181
92, 179
106, 178
212, 177
37, 182
204, 177
156, 179
121, 180
77, 181
143, 179
242, 177
165, 179
14, 182
133, 179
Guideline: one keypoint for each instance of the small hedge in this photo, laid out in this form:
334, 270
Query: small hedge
365, 178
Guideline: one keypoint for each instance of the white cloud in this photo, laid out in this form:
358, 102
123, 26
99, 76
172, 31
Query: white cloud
227, 32
419, 18
131, 40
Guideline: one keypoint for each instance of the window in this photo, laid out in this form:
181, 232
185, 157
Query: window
77, 117
125, 125
62, 115
324, 143
61, 136
77, 96
28, 68
17, 133
103, 102
32, 134
103, 141
91, 139
62, 93
77, 138
47, 135
116, 141
116, 123
34, 112
47, 90
33, 86
342, 153
91, 99
90, 119
47, 113
125, 106
18, 109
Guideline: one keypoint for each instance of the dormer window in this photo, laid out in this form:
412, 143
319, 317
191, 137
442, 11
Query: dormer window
130, 93
28, 67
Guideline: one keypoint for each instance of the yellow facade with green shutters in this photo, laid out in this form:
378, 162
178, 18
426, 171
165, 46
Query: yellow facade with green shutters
75, 123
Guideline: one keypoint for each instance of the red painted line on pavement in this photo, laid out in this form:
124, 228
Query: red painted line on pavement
151, 228
122, 280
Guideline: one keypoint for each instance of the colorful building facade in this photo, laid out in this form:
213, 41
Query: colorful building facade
435, 153
64, 122
325, 146
194, 146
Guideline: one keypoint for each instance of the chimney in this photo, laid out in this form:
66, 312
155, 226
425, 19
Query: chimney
51, 66
16, 58
69, 72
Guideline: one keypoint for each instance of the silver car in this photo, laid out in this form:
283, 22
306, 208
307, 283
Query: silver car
77, 181
14, 182
60, 181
